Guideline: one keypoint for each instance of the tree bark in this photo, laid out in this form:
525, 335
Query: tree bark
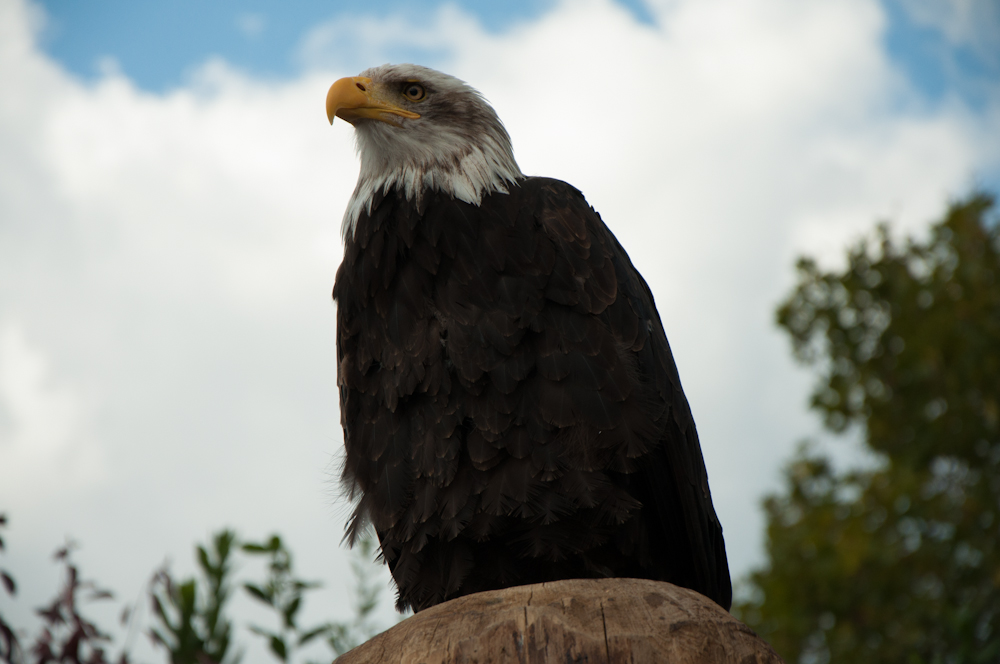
610, 621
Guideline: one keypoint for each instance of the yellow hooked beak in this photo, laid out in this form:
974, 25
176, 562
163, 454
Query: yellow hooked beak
355, 98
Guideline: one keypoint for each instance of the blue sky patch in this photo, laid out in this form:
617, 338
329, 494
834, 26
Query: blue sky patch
158, 44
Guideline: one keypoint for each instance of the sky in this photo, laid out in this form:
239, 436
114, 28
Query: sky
170, 205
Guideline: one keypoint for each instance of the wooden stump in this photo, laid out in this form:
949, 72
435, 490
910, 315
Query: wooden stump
580, 620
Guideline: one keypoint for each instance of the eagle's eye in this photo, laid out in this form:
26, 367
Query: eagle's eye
414, 92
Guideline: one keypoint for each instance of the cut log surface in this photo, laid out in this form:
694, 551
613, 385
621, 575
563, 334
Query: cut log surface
580, 620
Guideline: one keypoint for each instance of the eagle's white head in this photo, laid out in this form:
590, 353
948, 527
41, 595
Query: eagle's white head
417, 130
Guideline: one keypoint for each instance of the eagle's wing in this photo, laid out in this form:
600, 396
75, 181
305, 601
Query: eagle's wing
678, 521
511, 408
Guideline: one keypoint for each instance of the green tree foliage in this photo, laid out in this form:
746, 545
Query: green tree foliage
900, 563
195, 630
282, 593
193, 627
190, 617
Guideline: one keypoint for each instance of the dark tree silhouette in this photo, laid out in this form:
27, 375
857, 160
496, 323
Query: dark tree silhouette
902, 562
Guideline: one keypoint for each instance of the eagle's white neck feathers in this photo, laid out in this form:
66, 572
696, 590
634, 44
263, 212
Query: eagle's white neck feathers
458, 146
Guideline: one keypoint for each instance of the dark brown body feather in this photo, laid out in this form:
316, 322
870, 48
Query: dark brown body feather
512, 413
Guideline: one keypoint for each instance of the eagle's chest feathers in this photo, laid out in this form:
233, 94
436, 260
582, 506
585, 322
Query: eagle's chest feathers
422, 302
491, 336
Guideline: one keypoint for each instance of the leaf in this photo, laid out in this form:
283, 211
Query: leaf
256, 592
158, 607
203, 560
307, 585
52, 614
260, 631
278, 648
156, 637
312, 634
8, 635
291, 610
8, 583
254, 548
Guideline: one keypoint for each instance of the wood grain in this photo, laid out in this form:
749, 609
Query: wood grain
609, 621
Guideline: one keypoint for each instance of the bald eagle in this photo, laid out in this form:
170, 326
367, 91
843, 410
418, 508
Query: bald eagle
511, 409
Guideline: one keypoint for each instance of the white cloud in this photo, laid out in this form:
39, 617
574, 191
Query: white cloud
171, 256
251, 24
972, 23
358, 41
40, 423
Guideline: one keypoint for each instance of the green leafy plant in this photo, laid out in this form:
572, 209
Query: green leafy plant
192, 626
283, 593
191, 622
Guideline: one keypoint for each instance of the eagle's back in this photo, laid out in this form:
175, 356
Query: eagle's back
511, 409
